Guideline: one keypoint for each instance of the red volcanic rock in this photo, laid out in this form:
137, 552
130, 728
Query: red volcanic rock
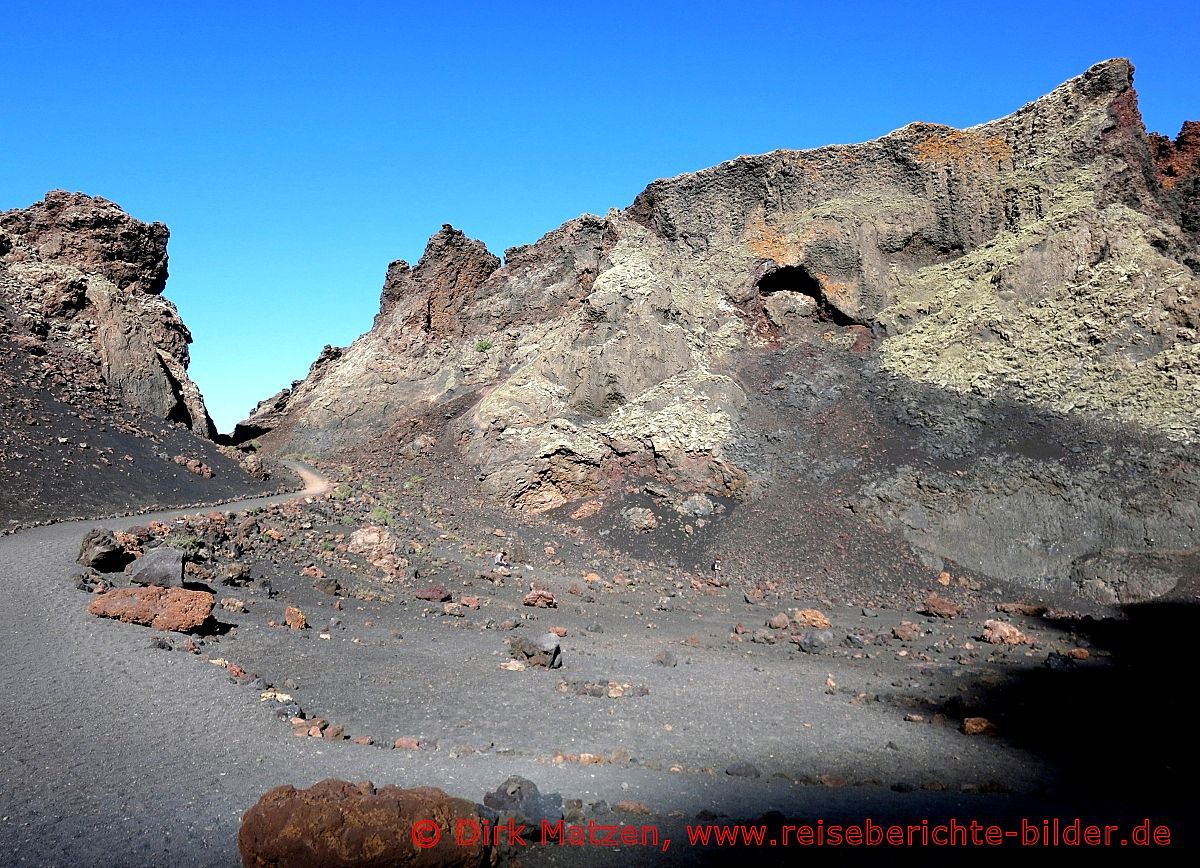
161, 608
337, 823
1179, 159
940, 607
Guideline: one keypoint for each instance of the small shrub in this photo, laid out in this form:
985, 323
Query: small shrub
186, 542
483, 346
382, 515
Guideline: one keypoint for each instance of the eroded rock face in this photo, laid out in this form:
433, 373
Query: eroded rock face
161, 608
81, 276
1039, 255
336, 823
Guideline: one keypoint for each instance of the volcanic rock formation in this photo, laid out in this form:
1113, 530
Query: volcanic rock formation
81, 275
1040, 256
1046, 261
94, 389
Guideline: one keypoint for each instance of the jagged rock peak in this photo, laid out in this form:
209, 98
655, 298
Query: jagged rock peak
451, 270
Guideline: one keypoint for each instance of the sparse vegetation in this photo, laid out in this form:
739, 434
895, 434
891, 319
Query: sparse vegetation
382, 515
483, 346
185, 542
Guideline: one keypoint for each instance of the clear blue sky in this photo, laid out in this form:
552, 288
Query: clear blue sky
295, 148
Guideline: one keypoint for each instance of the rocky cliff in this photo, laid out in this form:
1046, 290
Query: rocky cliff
94, 390
1045, 261
78, 275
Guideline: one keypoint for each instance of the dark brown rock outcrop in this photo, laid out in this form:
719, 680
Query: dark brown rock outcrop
87, 278
336, 824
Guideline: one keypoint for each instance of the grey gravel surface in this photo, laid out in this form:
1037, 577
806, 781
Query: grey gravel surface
113, 753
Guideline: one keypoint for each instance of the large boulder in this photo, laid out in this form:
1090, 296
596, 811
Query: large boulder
162, 567
101, 551
337, 824
162, 608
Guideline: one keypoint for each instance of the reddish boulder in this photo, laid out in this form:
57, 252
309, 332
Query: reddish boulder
940, 607
434, 594
336, 823
1003, 633
541, 599
162, 608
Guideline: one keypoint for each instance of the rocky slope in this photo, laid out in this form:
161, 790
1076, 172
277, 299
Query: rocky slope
93, 369
897, 328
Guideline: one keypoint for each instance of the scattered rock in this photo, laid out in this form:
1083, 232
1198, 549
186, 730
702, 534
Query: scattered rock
640, 518
540, 598
940, 607
813, 618
294, 618
629, 807
1030, 610
1003, 633
978, 726
327, 585
544, 653
236, 574
814, 641
434, 594
907, 632
406, 743
233, 604
161, 608
194, 465
779, 621
666, 657
743, 770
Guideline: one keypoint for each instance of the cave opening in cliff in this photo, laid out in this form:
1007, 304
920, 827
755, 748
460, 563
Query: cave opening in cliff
797, 278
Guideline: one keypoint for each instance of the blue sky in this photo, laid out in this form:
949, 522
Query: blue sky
295, 148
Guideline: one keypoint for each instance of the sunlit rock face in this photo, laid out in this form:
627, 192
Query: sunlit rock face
1042, 255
